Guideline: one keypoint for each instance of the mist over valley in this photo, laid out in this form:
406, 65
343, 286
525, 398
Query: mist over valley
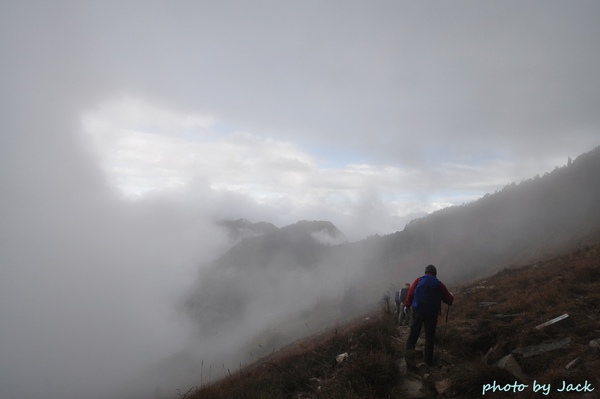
276, 285
187, 186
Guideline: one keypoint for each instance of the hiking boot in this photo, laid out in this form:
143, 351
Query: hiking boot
412, 357
422, 369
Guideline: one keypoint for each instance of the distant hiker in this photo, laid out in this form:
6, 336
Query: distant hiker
404, 311
425, 296
400, 298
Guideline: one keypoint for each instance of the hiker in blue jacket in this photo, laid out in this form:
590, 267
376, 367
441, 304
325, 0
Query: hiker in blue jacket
425, 296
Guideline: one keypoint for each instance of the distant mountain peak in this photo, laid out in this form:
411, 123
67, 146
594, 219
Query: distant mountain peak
241, 229
313, 226
322, 231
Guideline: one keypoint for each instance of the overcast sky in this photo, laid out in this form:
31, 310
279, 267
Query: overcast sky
314, 109
131, 123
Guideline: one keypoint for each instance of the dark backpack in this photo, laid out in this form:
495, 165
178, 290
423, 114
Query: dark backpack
403, 294
397, 298
428, 295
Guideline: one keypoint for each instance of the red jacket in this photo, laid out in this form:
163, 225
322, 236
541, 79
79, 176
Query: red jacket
447, 297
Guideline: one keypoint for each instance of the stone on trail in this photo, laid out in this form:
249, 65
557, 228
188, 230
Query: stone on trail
341, 357
560, 321
491, 357
510, 364
413, 357
495, 353
535, 350
573, 364
443, 385
402, 366
487, 304
508, 316
413, 388
422, 368
446, 358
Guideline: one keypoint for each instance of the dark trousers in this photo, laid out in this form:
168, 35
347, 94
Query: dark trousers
429, 320
404, 318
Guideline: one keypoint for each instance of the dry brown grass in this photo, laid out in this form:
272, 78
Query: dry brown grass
530, 295
533, 295
310, 368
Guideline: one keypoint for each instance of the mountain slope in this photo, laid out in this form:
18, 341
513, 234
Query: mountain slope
540, 217
278, 286
524, 222
262, 272
537, 218
366, 357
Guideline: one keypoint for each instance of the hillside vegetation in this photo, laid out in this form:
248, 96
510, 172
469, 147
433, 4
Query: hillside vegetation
277, 285
491, 319
538, 218
523, 223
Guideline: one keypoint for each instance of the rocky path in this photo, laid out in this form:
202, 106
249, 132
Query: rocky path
418, 380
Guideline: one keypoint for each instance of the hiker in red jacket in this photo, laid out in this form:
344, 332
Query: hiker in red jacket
425, 296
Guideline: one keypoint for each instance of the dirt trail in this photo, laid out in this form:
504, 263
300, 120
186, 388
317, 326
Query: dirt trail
418, 380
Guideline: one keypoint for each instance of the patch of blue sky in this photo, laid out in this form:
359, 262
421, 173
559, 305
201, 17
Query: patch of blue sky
326, 157
333, 158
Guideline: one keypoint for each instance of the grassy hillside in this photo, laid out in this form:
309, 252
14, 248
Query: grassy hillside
526, 222
539, 218
491, 318
277, 287
523, 223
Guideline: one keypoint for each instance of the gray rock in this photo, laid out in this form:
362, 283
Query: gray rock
402, 366
443, 385
508, 316
491, 356
422, 369
413, 357
413, 387
510, 364
486, 304
495, 353
560, 321
445, 358
535, 350
573, 364
341, 357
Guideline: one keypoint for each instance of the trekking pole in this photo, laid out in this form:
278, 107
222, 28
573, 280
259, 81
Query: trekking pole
445, 329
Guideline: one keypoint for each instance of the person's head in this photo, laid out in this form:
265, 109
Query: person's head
430, 269
406, 285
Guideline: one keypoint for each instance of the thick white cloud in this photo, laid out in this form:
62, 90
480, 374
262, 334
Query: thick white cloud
350, 111
144, 148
